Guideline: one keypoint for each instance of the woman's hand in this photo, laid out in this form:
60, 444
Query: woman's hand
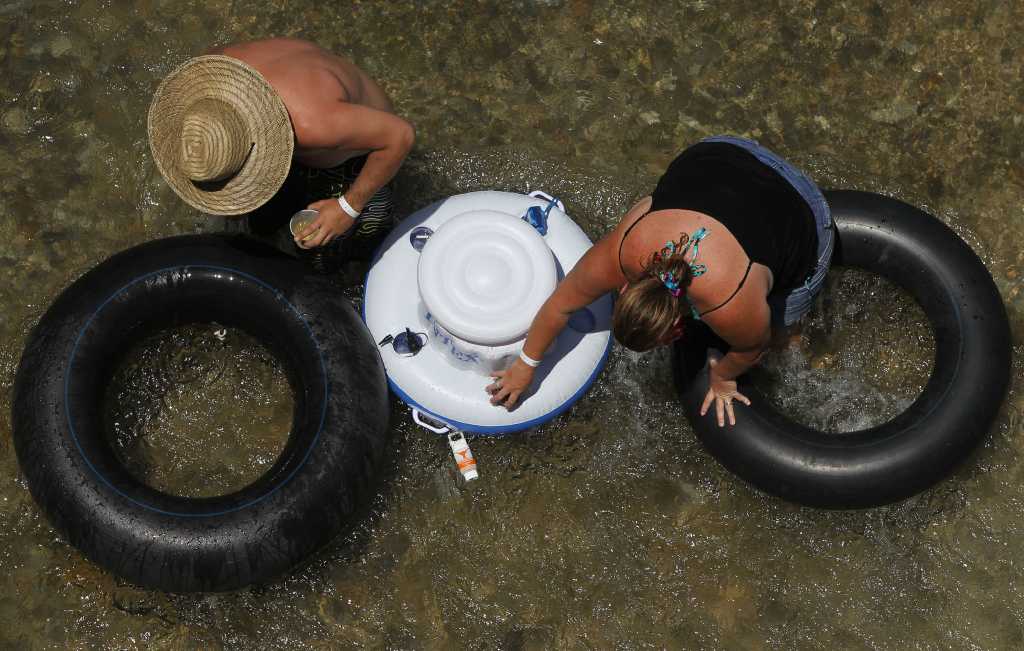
510, 384
722, 392
331, 223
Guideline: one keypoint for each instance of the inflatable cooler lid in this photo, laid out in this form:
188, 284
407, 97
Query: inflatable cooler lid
484, 274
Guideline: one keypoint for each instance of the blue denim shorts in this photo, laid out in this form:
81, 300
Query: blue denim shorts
788, 308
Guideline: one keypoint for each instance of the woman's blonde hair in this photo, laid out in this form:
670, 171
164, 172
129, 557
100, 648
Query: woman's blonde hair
650, 308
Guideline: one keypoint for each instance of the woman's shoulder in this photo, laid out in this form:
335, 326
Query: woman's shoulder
642, 235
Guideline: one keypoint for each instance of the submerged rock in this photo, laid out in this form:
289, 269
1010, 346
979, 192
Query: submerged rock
899, 110
61, 45
17, 121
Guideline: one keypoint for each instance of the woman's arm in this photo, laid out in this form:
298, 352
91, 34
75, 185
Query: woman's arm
593, 276
747, 341
597, 273
745, 324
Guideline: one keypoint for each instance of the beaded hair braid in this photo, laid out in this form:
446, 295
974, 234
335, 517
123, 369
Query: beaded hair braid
669, 264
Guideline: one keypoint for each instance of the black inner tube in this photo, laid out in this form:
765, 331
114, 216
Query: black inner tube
178, 297
314, 490
918, 447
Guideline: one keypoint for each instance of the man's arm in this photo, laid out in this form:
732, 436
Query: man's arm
351, 127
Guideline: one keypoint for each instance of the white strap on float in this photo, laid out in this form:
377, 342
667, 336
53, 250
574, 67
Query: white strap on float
444, 429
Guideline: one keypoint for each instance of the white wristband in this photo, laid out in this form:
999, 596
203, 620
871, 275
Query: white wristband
349, 210
529, 361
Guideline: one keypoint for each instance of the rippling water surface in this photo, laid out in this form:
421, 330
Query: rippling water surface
198, 411
610, 527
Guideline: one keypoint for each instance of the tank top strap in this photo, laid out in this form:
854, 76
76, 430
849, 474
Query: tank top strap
746, 273
623, 241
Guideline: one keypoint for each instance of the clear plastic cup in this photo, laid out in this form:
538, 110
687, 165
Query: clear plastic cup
301, 220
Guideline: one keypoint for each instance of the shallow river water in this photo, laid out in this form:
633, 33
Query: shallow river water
610, 527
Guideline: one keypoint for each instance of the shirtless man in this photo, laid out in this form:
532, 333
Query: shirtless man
346, 141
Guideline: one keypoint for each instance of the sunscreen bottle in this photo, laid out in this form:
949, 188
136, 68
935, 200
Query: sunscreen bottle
463, 455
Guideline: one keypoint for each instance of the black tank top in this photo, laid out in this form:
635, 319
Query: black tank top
765, 214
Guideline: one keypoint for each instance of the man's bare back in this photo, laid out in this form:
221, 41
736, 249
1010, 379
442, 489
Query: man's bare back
307, 77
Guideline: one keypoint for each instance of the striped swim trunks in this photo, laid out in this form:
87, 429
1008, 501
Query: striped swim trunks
305, 185
377, 216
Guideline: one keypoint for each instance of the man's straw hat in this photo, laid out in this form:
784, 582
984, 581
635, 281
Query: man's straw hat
220, 135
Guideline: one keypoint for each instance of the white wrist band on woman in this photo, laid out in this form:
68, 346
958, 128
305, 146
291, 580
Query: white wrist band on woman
529, 361
349, 210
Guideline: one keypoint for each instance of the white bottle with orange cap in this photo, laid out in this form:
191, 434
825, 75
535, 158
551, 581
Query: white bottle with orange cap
463, 455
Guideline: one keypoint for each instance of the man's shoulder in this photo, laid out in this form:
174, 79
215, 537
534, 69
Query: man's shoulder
267, 48
283, 59
306, 80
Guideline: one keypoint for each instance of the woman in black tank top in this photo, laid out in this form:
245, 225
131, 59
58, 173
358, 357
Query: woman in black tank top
732, 235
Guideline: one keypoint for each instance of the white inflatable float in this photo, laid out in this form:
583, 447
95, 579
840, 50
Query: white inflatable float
469, 274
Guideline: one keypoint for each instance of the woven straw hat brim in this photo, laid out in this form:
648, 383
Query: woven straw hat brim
229, 80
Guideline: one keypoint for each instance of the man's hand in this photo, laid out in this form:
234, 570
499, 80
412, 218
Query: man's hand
510, 384
722, 392
332, 222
